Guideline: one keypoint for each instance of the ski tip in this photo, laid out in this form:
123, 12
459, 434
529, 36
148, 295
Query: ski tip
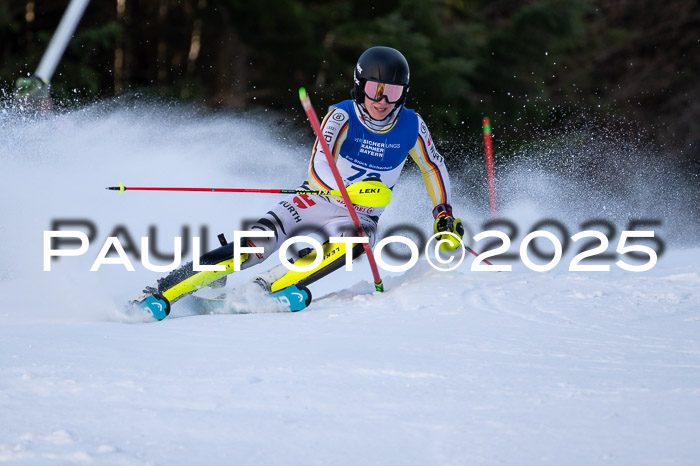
302, 93
293, 297
156, 305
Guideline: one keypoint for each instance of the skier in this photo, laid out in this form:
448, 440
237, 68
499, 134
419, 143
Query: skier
371, 136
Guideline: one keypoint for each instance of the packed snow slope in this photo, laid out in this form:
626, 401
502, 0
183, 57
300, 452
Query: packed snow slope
457, 367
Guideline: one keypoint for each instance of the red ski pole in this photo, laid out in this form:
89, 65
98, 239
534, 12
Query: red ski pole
370, 193
306, 102
489, 167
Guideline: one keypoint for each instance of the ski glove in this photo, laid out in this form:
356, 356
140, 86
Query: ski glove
445, 222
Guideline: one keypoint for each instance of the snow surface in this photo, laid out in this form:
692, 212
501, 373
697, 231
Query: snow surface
443, 368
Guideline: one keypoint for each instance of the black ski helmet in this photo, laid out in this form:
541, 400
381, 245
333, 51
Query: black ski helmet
382, 64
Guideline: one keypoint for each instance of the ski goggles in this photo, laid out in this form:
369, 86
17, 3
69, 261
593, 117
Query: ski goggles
376, 91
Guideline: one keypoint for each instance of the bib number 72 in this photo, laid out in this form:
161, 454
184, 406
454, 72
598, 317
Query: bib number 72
362, 172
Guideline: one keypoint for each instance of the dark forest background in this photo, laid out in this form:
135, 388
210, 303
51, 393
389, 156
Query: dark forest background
538, 68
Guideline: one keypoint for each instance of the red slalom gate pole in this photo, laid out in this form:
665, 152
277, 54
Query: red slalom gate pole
308, 108
488, 148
